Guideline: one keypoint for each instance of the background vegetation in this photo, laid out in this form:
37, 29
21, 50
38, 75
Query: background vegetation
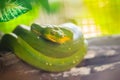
95, 17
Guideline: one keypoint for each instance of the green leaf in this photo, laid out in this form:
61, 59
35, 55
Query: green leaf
41, 3
45, 5
11, 9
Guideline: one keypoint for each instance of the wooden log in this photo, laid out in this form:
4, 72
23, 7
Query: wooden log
102, 62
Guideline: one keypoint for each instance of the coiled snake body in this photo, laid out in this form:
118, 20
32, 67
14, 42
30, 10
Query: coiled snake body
51, 48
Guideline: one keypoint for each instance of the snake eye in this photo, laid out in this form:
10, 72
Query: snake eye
52, 32
58, 32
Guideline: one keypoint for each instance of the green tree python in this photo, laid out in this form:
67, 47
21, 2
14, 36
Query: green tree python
51, 48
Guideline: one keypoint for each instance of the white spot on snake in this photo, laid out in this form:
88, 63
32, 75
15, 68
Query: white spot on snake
69, 48
74, 62
38, 37
46, 63
77, 60
50, 64
76, 56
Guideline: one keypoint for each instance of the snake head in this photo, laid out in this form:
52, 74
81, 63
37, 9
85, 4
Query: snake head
53, 33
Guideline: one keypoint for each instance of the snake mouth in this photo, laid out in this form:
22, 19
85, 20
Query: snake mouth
60, 40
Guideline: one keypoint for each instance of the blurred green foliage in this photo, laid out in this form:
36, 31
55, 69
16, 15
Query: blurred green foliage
10, 9
55, 6
25, 18
106, 13
51, 6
